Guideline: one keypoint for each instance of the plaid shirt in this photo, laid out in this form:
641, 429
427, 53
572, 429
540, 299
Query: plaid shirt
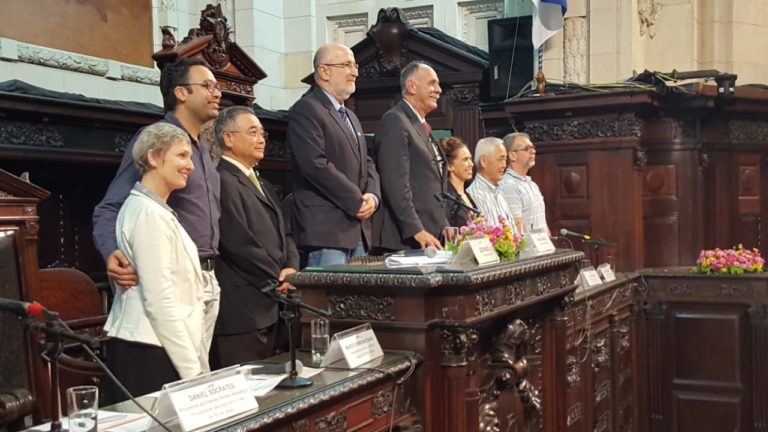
525, 200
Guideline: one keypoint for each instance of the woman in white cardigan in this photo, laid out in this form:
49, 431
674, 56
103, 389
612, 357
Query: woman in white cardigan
157, 326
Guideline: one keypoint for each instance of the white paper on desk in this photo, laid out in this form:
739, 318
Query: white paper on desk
442, 257
108, 421
262, 384
308, 372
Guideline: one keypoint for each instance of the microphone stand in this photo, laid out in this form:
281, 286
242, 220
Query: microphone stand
52, 350
291, 315
596, 246
441, 196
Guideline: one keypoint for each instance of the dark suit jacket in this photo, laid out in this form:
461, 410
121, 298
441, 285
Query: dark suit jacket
458, 216
254, 248
410, 177
332, 171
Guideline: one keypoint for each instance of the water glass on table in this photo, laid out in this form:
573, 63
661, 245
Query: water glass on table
82, 408
450, 237
320, 338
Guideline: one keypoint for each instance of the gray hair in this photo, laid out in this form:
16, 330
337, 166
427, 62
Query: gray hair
407, 72
158, 137
511, 139
484, 147
224, 122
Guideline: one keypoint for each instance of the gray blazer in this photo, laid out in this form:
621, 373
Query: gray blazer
332, 171
410, 177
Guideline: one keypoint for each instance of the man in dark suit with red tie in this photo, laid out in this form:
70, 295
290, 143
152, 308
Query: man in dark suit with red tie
254, 247
412, 166
336, 186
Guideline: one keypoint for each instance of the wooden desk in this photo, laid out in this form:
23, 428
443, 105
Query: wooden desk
359, 400
493, 338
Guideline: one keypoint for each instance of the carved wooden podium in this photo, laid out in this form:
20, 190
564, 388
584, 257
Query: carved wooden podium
493, 339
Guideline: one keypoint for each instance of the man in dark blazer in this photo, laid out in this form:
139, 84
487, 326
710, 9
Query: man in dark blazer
254, 247
412, 166
336, 186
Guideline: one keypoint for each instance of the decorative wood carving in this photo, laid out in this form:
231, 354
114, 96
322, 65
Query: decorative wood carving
603, 391
574, 414
300, 426
362, 307
30, 134
588, 128
508, 358
681, 289
465, 95
659, 180
333, 422
623, 337
573, 371
748, 130
489, 417
390, 34
382, 403
573, 181
455, 343
484, 302
640, 158
601, 355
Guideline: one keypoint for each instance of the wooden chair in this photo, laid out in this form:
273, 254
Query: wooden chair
82, 306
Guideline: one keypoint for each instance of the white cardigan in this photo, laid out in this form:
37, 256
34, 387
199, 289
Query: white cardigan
166, 307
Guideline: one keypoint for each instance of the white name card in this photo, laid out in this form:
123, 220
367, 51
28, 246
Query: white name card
606, 272
536, 244
589, 278
478, 249
204, 404
355, 347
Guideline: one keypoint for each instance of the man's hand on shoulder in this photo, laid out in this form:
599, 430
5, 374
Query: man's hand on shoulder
119, 269
426, 239
367, 208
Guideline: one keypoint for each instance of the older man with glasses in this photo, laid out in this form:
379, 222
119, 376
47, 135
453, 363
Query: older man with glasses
336, 186
522, 194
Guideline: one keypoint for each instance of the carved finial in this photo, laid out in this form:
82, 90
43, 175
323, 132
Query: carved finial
169, 40
390, 35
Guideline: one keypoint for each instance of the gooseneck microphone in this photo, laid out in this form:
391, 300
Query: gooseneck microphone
565, 233
21, 308
429, 252
442, 196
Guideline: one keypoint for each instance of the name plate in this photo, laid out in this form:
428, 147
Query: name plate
204, 404
355, 347
478, 249
606, 272
536, 244
589, 278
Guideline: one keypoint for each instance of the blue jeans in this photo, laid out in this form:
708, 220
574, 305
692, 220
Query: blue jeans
325, 257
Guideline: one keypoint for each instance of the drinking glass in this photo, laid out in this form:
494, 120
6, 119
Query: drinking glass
611, 261
450, 237
320, 339
82, 408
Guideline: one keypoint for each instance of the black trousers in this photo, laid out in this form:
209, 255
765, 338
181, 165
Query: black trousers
228, 350
141, 368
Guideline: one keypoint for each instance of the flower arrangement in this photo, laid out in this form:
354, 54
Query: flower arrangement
729, 261
506, 243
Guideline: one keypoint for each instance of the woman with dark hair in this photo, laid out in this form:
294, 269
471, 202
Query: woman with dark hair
459, 172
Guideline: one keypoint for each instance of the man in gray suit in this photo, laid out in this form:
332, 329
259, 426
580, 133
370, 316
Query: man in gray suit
412, 166
336, 186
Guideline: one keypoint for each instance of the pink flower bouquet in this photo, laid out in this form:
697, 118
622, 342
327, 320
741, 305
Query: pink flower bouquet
729, 261
506, 243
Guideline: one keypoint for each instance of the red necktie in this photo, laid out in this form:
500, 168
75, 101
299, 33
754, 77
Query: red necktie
426, 128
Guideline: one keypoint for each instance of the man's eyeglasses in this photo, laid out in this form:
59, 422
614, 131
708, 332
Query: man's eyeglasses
348, 66
253, 133
211, 86
528, 148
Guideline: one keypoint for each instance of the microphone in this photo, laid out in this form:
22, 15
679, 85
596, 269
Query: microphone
429, 252
279, 368
20, 308
442, 196
565, 233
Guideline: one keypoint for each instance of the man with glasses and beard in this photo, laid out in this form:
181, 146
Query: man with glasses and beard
526, 204
336, 186
191, 98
